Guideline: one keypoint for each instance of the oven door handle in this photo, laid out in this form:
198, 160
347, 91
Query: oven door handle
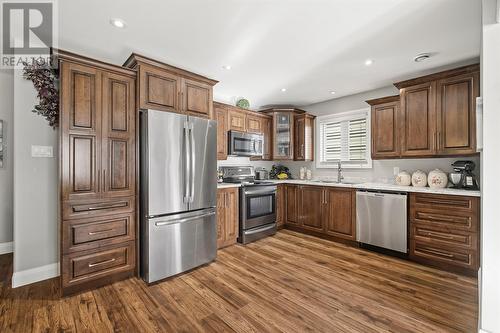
256, 230
259, 192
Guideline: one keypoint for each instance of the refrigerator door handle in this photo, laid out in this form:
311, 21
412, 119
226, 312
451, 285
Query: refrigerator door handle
187, 163
193, 161
159, 224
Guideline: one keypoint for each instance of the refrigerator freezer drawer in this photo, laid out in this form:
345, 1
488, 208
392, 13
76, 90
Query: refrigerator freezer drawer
178, 243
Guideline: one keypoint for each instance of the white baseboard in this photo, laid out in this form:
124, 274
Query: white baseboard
36, 274
6, 247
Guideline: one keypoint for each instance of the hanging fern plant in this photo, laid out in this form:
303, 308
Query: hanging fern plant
46, 83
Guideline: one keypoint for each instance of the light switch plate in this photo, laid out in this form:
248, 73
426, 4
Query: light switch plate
42, 151
395, 171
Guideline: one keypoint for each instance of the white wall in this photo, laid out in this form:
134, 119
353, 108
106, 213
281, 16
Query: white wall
490, 229
35, 191
6, 173
382, 170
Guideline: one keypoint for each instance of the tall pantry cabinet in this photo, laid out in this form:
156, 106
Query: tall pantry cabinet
97, 172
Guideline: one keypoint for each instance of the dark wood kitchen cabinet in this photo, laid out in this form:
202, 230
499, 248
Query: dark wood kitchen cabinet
325, 211
418, 118
437, 114
339, 216
227, 216
221, 117
168, 88
385, 127
456, 114
311, 202
304, 137
444, 231
280, 206
98, 172
291, 204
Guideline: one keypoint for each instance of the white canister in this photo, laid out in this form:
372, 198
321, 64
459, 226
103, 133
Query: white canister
419, 179
437, 179
403, 178
308, 174
302, 174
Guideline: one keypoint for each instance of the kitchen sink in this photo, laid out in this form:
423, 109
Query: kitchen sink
325, 181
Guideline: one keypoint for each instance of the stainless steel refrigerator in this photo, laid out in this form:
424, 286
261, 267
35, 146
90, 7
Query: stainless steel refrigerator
178, 167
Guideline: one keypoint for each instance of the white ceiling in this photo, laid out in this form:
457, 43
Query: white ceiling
310, 47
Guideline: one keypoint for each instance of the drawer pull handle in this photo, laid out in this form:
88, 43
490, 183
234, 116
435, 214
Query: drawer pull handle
92, 233
433, 234
437, 217
78, 209
439, 253
101, 262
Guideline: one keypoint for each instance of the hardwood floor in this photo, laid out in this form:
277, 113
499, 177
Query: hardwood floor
287, 283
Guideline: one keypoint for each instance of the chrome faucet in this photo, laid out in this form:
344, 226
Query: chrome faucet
340, 177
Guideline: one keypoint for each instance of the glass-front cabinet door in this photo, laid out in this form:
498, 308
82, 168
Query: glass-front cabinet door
283, 136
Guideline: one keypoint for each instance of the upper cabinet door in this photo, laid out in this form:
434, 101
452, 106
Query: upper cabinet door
385, 130
80, 131
118, 135
283, 136
221, 117
300, 145
158, 89
197, 98
418, 116
254, 124
267, 127
237, 121
456, 114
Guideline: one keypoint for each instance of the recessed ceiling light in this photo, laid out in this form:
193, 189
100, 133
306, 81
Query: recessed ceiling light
119, 23
368, 62
332, 92
227, 67
283, 89
422, 57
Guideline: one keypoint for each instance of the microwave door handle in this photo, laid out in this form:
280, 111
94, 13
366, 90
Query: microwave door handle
186, 162
193, 160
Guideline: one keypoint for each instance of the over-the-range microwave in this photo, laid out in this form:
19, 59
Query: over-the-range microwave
245, 144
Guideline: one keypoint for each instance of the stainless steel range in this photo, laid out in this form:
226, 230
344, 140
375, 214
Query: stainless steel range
257, 203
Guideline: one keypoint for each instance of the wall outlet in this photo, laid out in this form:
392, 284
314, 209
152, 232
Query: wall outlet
42, 151
395, 171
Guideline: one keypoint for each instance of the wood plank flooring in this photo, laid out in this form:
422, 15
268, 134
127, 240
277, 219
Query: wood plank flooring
286, 283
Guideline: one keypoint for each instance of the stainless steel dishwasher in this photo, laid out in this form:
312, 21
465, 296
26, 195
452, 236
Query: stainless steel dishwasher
381, 219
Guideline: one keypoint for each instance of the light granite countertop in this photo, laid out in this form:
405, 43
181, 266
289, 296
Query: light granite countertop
383, 187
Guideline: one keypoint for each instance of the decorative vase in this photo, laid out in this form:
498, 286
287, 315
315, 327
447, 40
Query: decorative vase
419, 179
243, 103
403, 178
437, 179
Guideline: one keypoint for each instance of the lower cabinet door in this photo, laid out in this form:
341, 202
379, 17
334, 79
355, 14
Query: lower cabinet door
339, 217
311, 207
291, 204
90, 266
227, 217
280, 206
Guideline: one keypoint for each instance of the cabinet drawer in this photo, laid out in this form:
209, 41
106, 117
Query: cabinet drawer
461, 239
438, 255
90, 265
86, 234
445, 219
99, 207
446, 203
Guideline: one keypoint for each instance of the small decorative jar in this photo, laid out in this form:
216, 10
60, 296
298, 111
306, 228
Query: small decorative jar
437, 179
419, 179
403, 178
